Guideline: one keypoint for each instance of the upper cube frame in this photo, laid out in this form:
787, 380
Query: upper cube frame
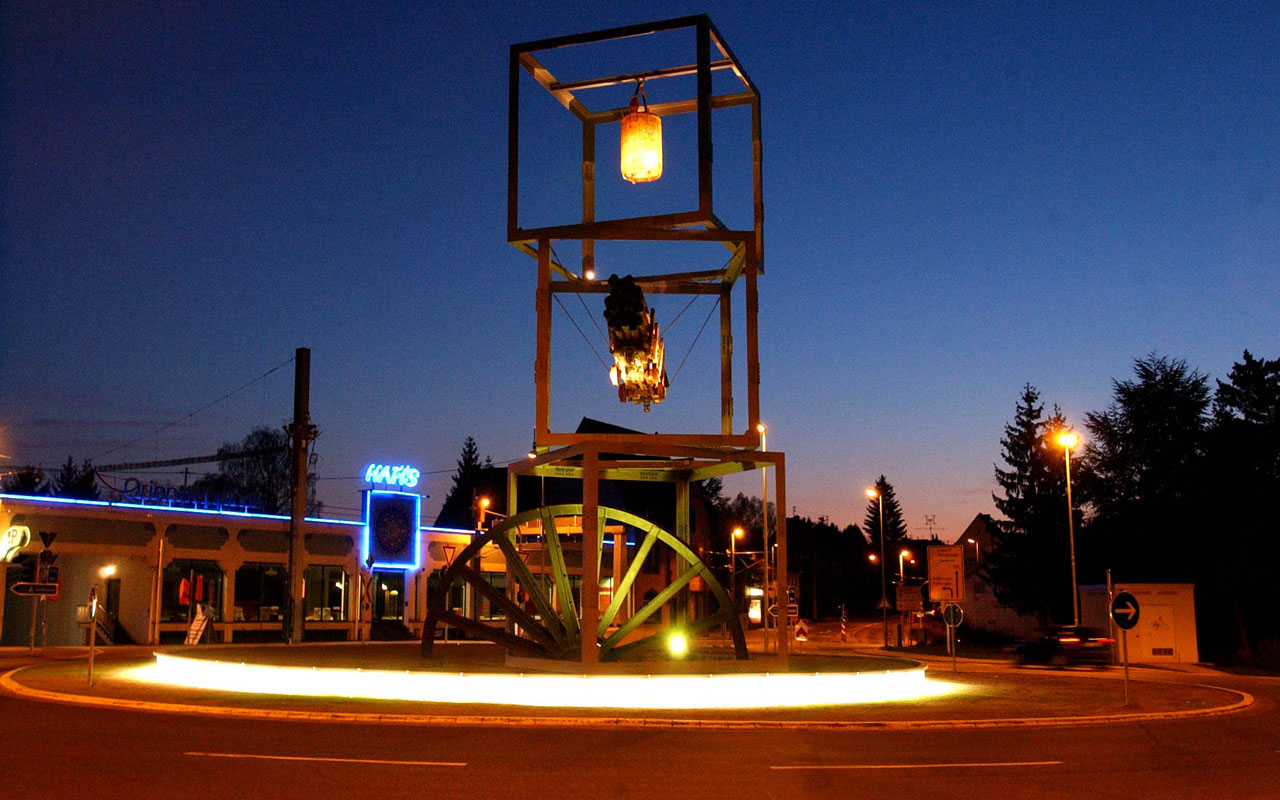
699, 223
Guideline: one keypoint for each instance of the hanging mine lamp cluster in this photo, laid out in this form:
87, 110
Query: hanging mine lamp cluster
639, 354
641, 140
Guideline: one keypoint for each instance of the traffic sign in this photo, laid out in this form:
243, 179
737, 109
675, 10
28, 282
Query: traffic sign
952, 615
946, 573
13, 541
802, 631
1124, 610
883, 605
34, 589
909, 598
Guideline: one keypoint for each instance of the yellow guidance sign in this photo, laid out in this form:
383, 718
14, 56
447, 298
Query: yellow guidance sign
946, 573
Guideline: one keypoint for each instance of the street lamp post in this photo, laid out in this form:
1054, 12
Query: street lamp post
902, 576
762, 429
884, 586
973, 542
1069, 440
733, 567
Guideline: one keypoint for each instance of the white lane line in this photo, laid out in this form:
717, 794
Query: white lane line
332, 760
920, 766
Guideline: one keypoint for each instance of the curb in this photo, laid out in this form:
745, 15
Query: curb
10, 685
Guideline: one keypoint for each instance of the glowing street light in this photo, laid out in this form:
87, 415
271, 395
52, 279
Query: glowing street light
738, 533
902, 576
884, 586
973, 542
1069, 440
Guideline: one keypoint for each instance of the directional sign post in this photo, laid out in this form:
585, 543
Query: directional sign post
953, 615
1124, 611
34, 589
946, 573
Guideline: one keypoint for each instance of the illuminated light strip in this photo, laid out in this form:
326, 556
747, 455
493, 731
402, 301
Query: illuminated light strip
331, 760
252, 515
688, 692
177, 510
920, 766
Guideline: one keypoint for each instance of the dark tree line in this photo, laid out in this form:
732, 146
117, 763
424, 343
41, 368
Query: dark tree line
261, 481
77, 481
1177, 480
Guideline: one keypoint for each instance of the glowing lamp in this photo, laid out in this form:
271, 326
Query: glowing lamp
1068, 440
678, 644
641, 141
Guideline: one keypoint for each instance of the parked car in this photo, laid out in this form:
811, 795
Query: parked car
1065, 645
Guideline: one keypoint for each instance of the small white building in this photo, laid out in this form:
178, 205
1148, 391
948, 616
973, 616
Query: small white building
1166, 629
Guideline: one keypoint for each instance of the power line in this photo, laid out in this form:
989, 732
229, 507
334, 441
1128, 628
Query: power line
178, 462
197, 411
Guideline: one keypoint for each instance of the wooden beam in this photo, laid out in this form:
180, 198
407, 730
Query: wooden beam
676, 107
543, 76
599, 287
542, 363
726, 361
632, 77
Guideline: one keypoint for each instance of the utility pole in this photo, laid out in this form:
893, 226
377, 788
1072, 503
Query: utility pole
301, 433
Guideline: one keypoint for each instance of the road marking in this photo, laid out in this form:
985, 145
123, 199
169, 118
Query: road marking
332, 760
920, 766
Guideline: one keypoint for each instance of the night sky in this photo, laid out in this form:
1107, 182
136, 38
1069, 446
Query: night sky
960, 199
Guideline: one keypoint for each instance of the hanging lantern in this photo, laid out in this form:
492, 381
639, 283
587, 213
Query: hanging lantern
641, 141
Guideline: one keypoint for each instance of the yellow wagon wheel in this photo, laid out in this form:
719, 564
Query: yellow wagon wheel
551, 629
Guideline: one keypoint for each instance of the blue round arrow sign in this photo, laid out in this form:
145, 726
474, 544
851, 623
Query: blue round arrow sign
1124, 610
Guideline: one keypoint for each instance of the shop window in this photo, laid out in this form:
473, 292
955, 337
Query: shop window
187, 582
498, 580
455, 592
260, 592
326, 593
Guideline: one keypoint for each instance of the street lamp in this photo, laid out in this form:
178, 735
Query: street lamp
738, 533
763, 430
973, 542
902, 576
1069, 440
884, 586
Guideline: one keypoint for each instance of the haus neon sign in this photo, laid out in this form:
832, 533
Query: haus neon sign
391, 475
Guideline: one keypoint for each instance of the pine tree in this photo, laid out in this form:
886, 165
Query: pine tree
1030, 563
458, 509
1239, 491
79, 482
895, 528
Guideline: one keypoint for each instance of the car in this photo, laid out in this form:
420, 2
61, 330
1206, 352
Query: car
1065, 645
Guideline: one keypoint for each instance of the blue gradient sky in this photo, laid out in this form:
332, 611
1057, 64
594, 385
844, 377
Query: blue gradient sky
959, 200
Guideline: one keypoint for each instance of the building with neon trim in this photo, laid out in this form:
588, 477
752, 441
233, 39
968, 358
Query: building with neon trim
147, 559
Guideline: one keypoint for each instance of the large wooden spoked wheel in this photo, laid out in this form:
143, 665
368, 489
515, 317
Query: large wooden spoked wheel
548, 625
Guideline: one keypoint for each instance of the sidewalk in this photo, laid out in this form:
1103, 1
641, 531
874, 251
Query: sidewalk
992, 694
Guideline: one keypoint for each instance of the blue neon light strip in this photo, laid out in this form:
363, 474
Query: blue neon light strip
207, 511
67, 501
417, 539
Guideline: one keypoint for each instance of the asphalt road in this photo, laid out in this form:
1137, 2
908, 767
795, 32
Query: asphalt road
63, 751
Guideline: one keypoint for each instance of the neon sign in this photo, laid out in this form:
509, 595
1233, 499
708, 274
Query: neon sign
403, 475
391, 529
